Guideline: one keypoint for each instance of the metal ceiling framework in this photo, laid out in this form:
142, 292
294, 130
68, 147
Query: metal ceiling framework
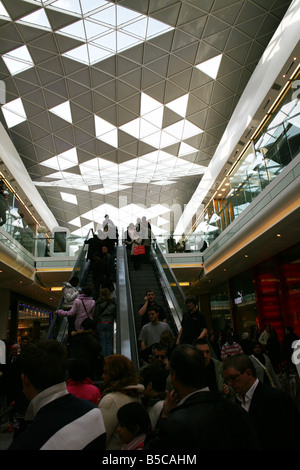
119, 107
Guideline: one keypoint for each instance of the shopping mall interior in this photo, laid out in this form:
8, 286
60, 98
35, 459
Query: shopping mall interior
183, 112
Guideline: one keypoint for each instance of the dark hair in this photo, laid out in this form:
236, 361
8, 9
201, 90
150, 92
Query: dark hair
87, 290
153, 308
188, 364
159, 347
88, 324
44, 363
198, 341
192, 299
78, 369
135, 418
240, 362
74, 281
149, 290
156, 374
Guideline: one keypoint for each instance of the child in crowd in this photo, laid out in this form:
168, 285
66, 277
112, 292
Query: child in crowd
134, 426
79, 384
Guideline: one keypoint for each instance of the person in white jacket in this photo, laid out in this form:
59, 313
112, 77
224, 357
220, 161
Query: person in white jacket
83, 307
70, 292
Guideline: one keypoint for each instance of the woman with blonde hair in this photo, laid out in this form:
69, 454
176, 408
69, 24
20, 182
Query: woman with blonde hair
121, 386
104, 316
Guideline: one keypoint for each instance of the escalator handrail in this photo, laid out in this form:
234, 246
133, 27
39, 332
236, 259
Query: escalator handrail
79, 259
126, 342
174, 307
170, 270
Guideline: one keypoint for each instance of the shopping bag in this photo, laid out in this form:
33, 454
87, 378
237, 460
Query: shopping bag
139, 250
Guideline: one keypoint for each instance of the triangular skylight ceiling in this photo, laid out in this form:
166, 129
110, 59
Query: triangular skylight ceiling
127, 100
108, 30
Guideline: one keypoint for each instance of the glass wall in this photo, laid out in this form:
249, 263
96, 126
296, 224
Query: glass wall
23, 230
277, 144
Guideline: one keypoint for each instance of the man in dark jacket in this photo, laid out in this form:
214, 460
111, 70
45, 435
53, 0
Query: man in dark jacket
272, 412
193, 325
193, 418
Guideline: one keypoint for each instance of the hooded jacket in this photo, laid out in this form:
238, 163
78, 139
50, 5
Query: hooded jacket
83, 307
70, 293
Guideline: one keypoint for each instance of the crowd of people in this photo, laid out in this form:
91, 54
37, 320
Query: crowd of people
192, 390
189, 393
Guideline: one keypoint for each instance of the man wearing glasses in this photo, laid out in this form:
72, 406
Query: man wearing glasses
273, 413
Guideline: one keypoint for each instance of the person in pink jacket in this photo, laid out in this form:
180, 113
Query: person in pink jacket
80, 384
83, 307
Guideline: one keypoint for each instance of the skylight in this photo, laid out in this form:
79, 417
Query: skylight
14, 112
63, 161
3, 11
18, 60
211, 67
37, 19
179, 105
111, 29
69, 198
63, 111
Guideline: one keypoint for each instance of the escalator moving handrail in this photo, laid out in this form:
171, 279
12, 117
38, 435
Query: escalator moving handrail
170, 270
126, 334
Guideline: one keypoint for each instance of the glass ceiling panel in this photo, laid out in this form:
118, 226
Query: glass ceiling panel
70, 6
114, 28
211, 67
69, 198
63, 111
3, 12
14, 112
37, 19
179, 105
18, 60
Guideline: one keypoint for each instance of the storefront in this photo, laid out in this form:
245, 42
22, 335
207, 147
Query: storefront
27, 320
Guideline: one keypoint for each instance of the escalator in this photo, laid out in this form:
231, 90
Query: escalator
124, 327
130, 289
157, 276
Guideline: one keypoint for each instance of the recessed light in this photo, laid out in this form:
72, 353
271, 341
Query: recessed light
246, 256
278, 235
